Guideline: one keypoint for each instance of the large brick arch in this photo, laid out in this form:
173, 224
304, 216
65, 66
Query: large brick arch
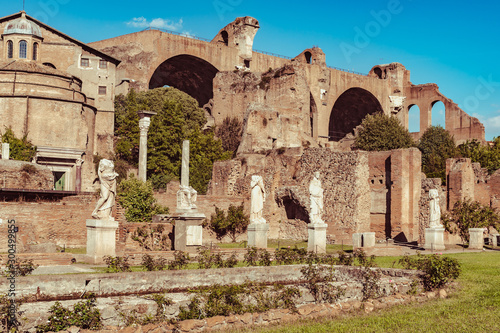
191, 74
349, 110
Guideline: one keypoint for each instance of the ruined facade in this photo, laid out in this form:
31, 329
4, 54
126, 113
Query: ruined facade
59, 93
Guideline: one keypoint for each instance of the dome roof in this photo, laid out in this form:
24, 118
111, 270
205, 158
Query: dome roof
23, 26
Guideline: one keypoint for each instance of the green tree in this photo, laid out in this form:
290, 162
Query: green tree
230, 133
436, 145
178, 118
20, 149
469, 214
382, 132
487, 155
232, 223
136, 197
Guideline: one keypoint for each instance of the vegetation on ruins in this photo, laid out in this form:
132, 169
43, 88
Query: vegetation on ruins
232, 223
117, 264
137, 198
179, 118
9, 323
206, 259
380, 132
469, 214
133, 318
153, 264
230, 133
436, 145
152, 238
487, 155
20, 149
83, 315
20, 268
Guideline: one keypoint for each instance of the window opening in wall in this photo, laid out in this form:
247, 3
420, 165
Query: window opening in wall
308, 56
438, 116
23, 49
35, 51
414, 119
85, 62
103, 64
59, 178
10, 49
225, 37
247, 63
102, 90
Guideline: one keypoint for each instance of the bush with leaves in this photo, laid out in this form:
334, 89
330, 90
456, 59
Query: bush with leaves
9, 323
438, 270
381, 132
181, 261
20, 149
469, 214
319, 279
289, 256
133, 318
137, 198
152, 264
178, 118
117, 264
234, 222
487, 155
230, 133
436, 145
20, 268
84, 315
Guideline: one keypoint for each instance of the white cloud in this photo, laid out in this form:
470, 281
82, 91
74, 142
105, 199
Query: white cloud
159, 23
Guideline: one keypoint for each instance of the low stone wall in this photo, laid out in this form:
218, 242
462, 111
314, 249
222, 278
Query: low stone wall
125, 289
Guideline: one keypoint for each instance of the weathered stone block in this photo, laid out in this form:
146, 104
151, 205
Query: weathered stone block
257, 235
434, 239
476, 240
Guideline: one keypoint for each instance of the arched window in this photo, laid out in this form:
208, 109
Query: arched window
23, 49
35, 51
10, 49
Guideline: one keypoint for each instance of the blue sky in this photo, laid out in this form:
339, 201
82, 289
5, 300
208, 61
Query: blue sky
455, 44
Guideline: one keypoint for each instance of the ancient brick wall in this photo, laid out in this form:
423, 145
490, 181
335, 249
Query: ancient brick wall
460, 180
25, 175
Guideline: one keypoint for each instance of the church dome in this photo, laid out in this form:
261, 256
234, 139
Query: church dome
22, 26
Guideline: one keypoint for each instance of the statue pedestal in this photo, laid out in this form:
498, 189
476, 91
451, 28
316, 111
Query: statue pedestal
101, 239
317, 237
257, 235
434, 239
188, 231
494, 240
363, 239
476, 238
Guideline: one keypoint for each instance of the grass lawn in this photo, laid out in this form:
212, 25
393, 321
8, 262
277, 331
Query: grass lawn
474, 307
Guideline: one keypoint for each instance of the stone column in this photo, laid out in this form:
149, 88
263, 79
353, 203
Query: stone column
185, 164
434, 239
476, 239
78, 178
363, 239
5, 151
144, 122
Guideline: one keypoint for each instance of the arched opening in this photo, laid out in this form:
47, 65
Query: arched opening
188, 73
48, 64
413, 118
225, 37
10, 49
294, 210
35, 51
349, 110
438, 115
308, 56
380, 74
23, 49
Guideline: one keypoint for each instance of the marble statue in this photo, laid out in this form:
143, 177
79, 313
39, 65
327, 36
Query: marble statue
186, 197
257, 197
435, 211
316, 198
107, 177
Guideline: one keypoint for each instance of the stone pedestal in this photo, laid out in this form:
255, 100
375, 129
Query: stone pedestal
363, 239
188, 232
434, 239
101, 239
5, 151
494, 239
317, 237
257, 235
476, 238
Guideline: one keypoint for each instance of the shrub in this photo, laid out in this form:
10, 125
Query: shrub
252, 256
21, 268
318, 282
181, 260
438, 270
152, 238
152, 264
19, 149
117, 264
469, 214
382, 132
370, 279
289, 256
8, 323
232, 223
133, 318
230, 133
345, 259
136, 197
84, 315
487, 155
